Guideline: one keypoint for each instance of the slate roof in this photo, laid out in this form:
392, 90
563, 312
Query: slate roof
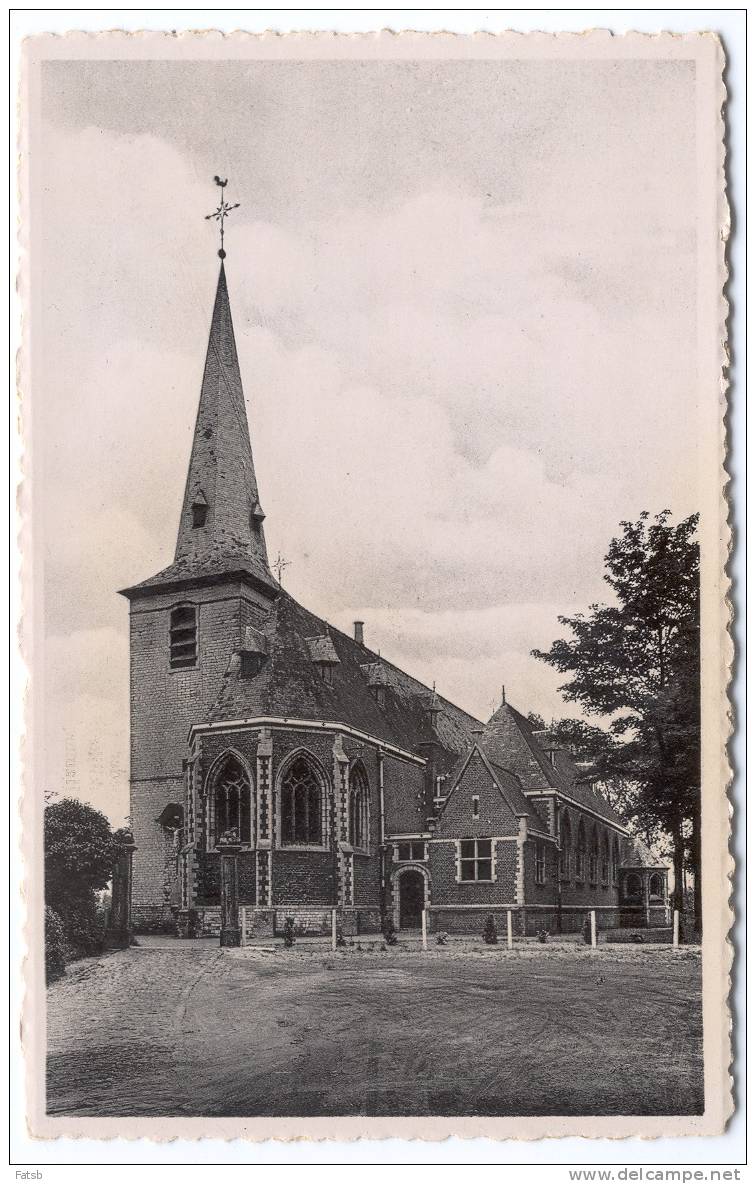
221, 475
640, 855
290, 686
509, 740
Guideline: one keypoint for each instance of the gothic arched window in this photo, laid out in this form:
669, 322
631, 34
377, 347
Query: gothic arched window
232, 801
605, 860
656, 886
566, 847
301, 805
633, 886
358, 807
593, 857
580, 852
615, 861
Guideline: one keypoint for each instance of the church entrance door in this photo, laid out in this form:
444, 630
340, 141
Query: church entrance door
411, 899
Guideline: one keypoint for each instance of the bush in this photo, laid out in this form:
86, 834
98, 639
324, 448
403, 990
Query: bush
442, 938
83, 927
55, 946
288, 933
543, 936
388, 930
490, 936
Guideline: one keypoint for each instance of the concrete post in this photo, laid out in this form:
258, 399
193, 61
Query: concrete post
334, 914
594, 936
119, 931
676, 928
425, 929
509, 929
229, 847
243, 924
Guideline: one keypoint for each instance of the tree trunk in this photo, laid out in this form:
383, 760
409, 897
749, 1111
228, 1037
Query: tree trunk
678, 863
696, 861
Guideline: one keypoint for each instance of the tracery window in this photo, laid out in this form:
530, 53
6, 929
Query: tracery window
358, 807
232, 801
301, 805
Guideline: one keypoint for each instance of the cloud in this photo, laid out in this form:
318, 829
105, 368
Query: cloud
455, 392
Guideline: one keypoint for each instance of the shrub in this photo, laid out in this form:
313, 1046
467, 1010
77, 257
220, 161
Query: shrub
543, 935
195, 923
388, 930
55, 946
586, 930
490, 936
288, 933
442, 938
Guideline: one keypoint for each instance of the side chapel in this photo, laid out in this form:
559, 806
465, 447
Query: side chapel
349, 783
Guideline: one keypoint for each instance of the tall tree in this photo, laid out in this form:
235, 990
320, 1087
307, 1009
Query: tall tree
637, 661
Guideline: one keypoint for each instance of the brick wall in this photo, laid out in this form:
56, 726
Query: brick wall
165, 703
154, 860
547, 892
495, 815
303, 877
446, 890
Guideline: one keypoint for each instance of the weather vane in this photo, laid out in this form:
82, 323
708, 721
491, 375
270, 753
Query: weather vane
220, 215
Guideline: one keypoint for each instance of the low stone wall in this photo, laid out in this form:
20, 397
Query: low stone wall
640, 936
153, 918
356, 921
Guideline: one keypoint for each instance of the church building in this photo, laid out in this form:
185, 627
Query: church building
348, 783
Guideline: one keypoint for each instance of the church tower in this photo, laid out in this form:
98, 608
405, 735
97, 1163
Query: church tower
186, 621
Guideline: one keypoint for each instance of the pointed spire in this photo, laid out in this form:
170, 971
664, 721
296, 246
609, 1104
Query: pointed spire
221, 517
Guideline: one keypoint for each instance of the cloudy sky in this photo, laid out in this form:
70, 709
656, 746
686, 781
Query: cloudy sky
464, 302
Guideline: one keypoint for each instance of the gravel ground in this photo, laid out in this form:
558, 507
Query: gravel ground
185, 1030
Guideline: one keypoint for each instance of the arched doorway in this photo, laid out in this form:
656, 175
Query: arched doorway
411, 899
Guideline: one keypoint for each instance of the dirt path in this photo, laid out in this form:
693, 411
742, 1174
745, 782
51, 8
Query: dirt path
187, 1031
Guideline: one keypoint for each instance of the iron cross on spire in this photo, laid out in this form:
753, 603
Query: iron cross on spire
224, 209
279, 567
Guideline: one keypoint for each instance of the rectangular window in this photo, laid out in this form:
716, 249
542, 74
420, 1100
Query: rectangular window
413, 851
475, 862
476, 806
540, 864
183, 637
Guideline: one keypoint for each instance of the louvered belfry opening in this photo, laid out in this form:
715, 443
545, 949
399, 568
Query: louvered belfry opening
183, 636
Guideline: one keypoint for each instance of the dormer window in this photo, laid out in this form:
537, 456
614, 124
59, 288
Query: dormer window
183, 637
199, 511
323, 656
251, 664
256, 518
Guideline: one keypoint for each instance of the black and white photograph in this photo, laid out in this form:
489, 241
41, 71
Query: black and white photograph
375, 548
